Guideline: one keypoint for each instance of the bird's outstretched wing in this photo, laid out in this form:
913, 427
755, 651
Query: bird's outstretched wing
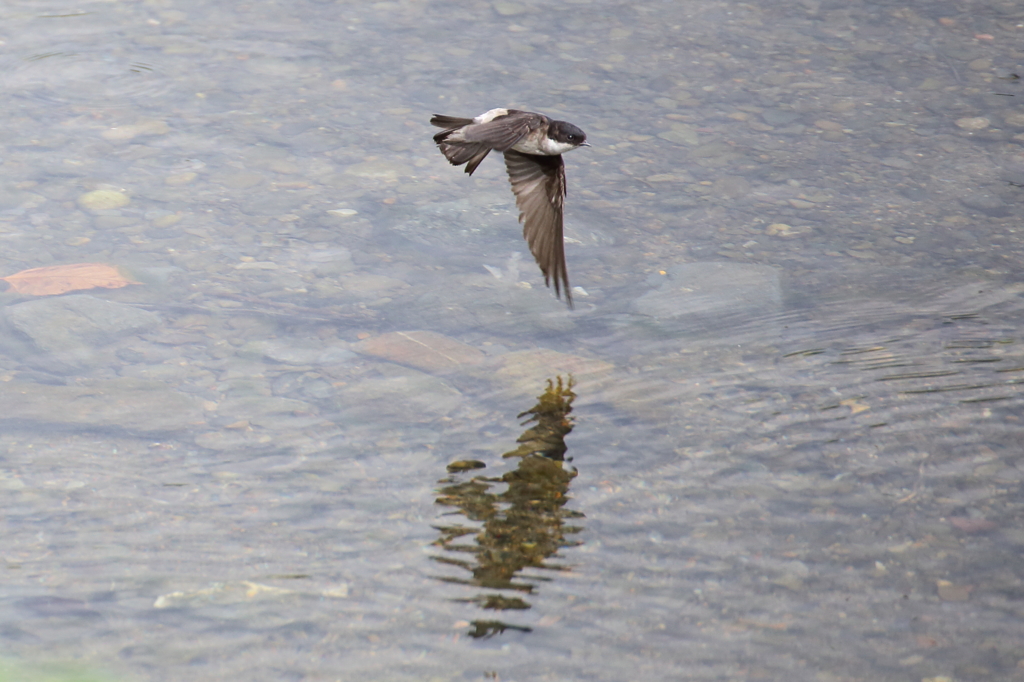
539, 185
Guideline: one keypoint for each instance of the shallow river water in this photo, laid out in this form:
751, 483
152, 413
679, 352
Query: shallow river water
780, 436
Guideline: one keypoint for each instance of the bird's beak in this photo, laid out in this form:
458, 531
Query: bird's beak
584, 144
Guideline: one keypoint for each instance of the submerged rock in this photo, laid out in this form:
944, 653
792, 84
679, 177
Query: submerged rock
72, 327
713, 290
132, 405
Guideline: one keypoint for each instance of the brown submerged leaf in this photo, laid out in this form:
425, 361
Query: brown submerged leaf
59, 279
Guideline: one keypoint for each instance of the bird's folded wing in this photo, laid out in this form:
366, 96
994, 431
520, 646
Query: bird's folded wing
501, 133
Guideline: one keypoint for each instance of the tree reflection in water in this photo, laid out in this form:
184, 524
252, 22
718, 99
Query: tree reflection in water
522, 525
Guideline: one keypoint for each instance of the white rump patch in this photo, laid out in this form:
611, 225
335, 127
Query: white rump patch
489, 116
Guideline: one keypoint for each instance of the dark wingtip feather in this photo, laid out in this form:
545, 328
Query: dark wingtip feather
563, 286
560, 279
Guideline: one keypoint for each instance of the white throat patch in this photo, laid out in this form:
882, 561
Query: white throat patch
553, 147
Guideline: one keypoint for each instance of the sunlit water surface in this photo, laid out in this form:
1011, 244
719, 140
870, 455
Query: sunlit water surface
797, 345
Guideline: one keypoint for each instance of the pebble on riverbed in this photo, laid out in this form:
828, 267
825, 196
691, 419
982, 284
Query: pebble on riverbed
103, 200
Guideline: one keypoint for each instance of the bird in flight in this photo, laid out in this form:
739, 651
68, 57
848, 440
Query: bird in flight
533, 145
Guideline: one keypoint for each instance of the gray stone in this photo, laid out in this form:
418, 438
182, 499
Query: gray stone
72, 327
259, 409
285, 352
55, 324
408, 396
713, 290
988, 204
133, 405
779, 117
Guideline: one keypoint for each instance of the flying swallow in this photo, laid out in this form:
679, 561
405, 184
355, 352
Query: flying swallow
533, 145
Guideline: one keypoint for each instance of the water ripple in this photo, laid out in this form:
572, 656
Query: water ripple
81, 76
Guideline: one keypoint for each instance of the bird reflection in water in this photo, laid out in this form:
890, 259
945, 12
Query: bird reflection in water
520, 525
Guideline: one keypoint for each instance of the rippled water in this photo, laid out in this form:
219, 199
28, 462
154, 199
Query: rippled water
793, 449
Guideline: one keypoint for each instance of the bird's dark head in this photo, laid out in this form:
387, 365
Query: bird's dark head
568, 134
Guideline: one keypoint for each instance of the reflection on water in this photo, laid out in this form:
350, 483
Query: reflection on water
522, 526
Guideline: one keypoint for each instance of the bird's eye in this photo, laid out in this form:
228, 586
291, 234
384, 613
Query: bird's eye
572, 137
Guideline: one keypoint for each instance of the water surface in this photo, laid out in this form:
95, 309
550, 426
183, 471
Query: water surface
796, 349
